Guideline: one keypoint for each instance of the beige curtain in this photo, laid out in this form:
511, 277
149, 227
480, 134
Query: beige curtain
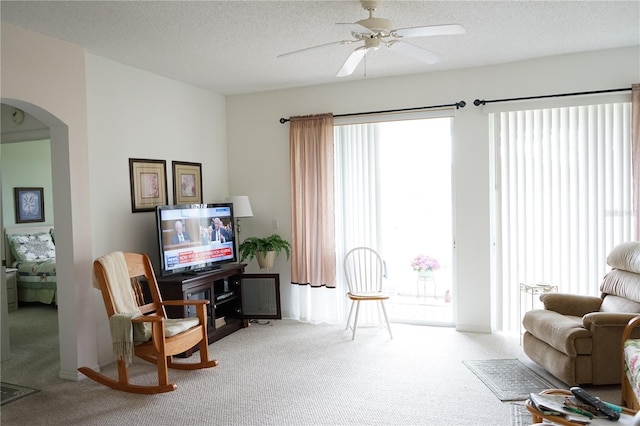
635, 152
312, 206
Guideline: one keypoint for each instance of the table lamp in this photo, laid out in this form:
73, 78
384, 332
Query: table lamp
241, 208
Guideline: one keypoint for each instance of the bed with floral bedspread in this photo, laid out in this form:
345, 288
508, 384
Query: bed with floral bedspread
33, 254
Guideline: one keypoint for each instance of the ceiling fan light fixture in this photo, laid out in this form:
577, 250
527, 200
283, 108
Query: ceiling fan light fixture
372, 43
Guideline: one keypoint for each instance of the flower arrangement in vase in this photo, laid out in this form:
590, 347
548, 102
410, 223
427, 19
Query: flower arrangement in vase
425, 265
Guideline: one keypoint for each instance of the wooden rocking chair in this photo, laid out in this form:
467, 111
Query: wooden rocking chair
169, 337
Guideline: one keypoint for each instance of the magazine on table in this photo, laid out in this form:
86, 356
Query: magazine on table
557, 405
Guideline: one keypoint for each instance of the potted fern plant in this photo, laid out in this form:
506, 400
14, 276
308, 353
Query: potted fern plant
264, 249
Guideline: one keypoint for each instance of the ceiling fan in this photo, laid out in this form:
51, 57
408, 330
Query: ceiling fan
375, 32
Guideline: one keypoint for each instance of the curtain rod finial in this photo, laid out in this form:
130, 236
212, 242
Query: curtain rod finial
461, 104
479, 102
283, 120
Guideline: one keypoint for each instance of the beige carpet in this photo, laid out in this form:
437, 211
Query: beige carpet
290, 373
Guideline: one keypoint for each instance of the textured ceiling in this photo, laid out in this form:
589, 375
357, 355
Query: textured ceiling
231, 47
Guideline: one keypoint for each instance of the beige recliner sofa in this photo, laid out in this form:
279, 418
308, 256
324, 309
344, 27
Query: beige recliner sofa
577, 338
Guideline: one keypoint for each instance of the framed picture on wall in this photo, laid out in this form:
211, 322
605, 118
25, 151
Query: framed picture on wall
148, 184
29, 204
187, 183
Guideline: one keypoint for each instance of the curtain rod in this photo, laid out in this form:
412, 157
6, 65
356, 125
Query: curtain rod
458, 105
479, 102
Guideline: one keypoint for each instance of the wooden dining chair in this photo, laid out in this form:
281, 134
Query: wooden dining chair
364, 271
135, 308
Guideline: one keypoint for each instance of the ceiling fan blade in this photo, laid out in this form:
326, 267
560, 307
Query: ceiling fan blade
352, 62
316, 47
431, 30
415, 52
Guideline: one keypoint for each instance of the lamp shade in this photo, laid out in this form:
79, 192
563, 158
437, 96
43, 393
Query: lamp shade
241, 205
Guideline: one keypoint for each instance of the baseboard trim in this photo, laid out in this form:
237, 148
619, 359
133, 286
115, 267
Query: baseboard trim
473, 328
75, 375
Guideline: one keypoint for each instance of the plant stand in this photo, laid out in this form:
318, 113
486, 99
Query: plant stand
423, 278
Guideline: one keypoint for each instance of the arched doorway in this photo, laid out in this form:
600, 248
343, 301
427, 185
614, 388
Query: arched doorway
26, 162
70, 320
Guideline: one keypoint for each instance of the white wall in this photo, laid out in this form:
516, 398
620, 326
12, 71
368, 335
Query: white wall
26, 164
135, 114
258, 146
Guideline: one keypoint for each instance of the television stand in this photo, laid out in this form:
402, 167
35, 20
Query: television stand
222, 287
202, 271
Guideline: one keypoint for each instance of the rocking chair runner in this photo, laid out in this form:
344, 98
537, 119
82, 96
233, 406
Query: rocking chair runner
168, 336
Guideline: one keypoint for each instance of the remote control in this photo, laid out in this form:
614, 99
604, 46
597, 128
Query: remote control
587, 398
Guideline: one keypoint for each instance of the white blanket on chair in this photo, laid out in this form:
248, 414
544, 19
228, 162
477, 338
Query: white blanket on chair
115, 267
122, 336
122, 329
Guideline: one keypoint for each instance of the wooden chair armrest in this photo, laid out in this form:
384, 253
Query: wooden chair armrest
185, 302
633, 322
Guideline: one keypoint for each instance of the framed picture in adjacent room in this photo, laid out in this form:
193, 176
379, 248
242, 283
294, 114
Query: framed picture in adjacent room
148, 184
29, 204
187, 183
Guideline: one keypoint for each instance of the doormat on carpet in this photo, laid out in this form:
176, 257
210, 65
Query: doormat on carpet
11, 392
520, 416
508, 379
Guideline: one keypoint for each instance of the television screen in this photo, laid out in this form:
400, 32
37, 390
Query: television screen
195, 237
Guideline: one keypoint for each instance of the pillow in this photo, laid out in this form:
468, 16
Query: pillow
622, 283
29, 247
625, 256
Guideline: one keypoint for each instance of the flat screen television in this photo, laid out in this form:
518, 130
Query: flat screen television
195, 238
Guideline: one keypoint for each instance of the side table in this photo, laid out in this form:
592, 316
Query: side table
12, 289
626, 417
531, 290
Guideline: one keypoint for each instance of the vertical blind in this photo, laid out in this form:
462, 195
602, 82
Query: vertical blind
357, 174
564, 199
357, 148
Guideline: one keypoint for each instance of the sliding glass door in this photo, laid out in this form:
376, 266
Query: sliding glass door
393, 185
564, 199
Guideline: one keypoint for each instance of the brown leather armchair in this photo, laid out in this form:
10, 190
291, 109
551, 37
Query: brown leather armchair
577, 338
